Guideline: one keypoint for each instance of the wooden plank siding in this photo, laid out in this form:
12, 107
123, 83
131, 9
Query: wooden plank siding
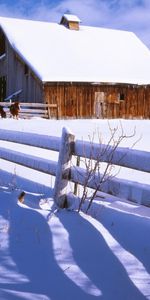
77, 100
31, 87
2, 67
19, 76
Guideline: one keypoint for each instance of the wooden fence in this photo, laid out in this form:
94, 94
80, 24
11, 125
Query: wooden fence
28, 110
65, 172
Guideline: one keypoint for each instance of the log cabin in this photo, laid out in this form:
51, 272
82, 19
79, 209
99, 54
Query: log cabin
89, 72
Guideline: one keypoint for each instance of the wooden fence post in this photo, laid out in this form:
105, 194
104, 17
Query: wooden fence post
76, 184
63, 167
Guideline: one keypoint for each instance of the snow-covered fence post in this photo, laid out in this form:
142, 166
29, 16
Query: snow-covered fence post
63, 167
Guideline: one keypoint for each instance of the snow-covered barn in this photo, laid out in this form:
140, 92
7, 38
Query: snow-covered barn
87, 71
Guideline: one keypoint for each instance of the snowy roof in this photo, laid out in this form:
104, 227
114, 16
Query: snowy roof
71, 18
90, 54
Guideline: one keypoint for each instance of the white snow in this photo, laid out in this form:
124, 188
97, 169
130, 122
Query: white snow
48, 254
91, 54
40, 164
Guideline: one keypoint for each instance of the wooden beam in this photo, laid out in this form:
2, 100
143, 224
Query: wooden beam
63, 168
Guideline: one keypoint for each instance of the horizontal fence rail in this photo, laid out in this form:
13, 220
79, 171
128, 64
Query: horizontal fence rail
30, 104
31, 139
125, 157
30, 161
33, 109
122, 188
66, 172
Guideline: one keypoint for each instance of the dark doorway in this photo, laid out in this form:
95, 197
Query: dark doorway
2, 44
2, 88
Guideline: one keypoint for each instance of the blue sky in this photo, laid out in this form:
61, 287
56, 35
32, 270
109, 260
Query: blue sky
132, 15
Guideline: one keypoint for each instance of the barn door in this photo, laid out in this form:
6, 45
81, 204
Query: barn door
99, 105
2, 88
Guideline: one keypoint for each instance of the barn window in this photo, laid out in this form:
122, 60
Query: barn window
121, 97
26, 69
2, 88
2, 44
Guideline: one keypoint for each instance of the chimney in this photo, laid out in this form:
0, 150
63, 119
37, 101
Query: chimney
70, 21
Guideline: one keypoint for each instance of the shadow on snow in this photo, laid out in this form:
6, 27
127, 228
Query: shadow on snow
32, 255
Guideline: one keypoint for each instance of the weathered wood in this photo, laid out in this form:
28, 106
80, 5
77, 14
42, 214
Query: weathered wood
76, 184
27, 104
32, 87
73, 25
77, 100
32, 109
63, 168
29, 116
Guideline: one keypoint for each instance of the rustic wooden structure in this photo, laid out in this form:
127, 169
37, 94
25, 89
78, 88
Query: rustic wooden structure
81, 100
71, 22
73, 99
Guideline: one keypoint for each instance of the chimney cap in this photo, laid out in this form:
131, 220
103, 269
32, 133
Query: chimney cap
70, 21
71, 18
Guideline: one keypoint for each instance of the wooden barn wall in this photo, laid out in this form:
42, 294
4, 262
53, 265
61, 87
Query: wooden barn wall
19, 76
116, 101
2, 67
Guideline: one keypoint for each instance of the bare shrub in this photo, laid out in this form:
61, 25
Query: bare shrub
104, 162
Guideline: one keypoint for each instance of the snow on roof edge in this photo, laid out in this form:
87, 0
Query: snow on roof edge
27, 63
70, 17
101, 82
86, 26
19, 53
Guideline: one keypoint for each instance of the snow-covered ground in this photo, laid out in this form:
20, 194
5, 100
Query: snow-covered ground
49, 254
